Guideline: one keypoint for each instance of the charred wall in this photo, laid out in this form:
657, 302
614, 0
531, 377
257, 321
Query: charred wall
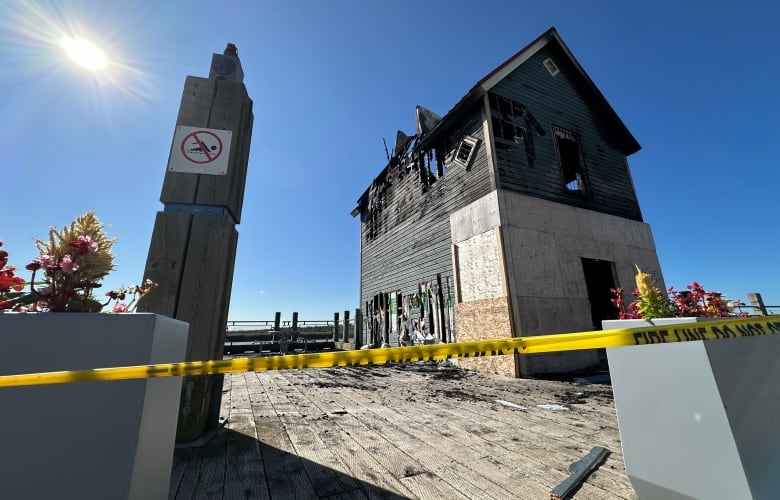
526, 108
405, 231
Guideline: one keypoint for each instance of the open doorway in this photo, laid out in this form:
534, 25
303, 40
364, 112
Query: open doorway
600, 279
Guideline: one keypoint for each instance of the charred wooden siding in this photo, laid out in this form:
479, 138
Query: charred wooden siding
530, 165
407, 241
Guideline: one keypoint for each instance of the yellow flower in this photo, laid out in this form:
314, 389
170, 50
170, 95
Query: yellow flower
644, 283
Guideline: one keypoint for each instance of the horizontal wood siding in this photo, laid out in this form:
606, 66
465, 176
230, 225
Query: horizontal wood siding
411, 240
562, 101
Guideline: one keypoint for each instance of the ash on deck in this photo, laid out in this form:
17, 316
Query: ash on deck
402, 431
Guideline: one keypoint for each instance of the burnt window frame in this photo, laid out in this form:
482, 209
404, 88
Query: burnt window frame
466, 139
559, 133
505, 114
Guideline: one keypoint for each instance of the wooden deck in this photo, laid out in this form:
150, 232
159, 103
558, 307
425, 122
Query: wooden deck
402, 431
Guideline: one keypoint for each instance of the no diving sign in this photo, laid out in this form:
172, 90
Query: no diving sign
198, 150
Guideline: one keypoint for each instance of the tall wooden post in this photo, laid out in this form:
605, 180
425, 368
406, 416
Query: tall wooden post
358, 328
346, 327
440, 308
386, 326
335, 327
399, 314
193, 246
371, 339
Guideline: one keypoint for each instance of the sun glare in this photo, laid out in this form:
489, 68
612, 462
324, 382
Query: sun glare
84, 53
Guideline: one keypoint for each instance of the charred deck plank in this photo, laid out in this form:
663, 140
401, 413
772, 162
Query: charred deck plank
401, 431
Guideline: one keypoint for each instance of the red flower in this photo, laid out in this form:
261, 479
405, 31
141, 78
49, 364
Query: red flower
6, 279
18, 283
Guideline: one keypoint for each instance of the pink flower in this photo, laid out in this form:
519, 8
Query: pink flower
45, 291
84, 244
45, 261
68, 266
90, 245
119, 307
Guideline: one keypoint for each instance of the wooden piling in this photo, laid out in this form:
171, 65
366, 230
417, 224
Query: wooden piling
193, 246
358, 329
346, 327
386, 326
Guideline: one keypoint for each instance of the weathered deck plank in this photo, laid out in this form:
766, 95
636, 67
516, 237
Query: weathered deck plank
245, 474
568, 434
453, 444
407, 431
427, 455
393, 458
327, 472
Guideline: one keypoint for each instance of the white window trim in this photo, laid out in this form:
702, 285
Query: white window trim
473, 142
551, 67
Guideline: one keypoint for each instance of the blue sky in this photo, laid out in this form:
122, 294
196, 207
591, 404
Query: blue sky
695, 82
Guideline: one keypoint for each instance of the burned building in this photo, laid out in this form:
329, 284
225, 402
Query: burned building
512, 215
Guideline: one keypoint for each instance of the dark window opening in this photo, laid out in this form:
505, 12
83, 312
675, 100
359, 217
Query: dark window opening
506, 126
570, 159
599, 281
505, 129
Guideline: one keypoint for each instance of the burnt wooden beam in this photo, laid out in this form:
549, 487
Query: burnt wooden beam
580, 471
440, 311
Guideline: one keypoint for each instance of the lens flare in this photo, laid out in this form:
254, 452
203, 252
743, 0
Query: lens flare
84, 53
70, 45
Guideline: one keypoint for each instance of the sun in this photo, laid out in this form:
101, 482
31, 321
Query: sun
84, 53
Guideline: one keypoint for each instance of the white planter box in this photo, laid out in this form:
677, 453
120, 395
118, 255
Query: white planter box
699, 419
88, 440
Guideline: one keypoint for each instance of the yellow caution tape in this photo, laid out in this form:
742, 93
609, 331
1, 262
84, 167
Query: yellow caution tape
711, 330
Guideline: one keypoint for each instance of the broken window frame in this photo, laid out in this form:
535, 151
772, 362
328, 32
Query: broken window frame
505, 114
574, 178
466, 159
